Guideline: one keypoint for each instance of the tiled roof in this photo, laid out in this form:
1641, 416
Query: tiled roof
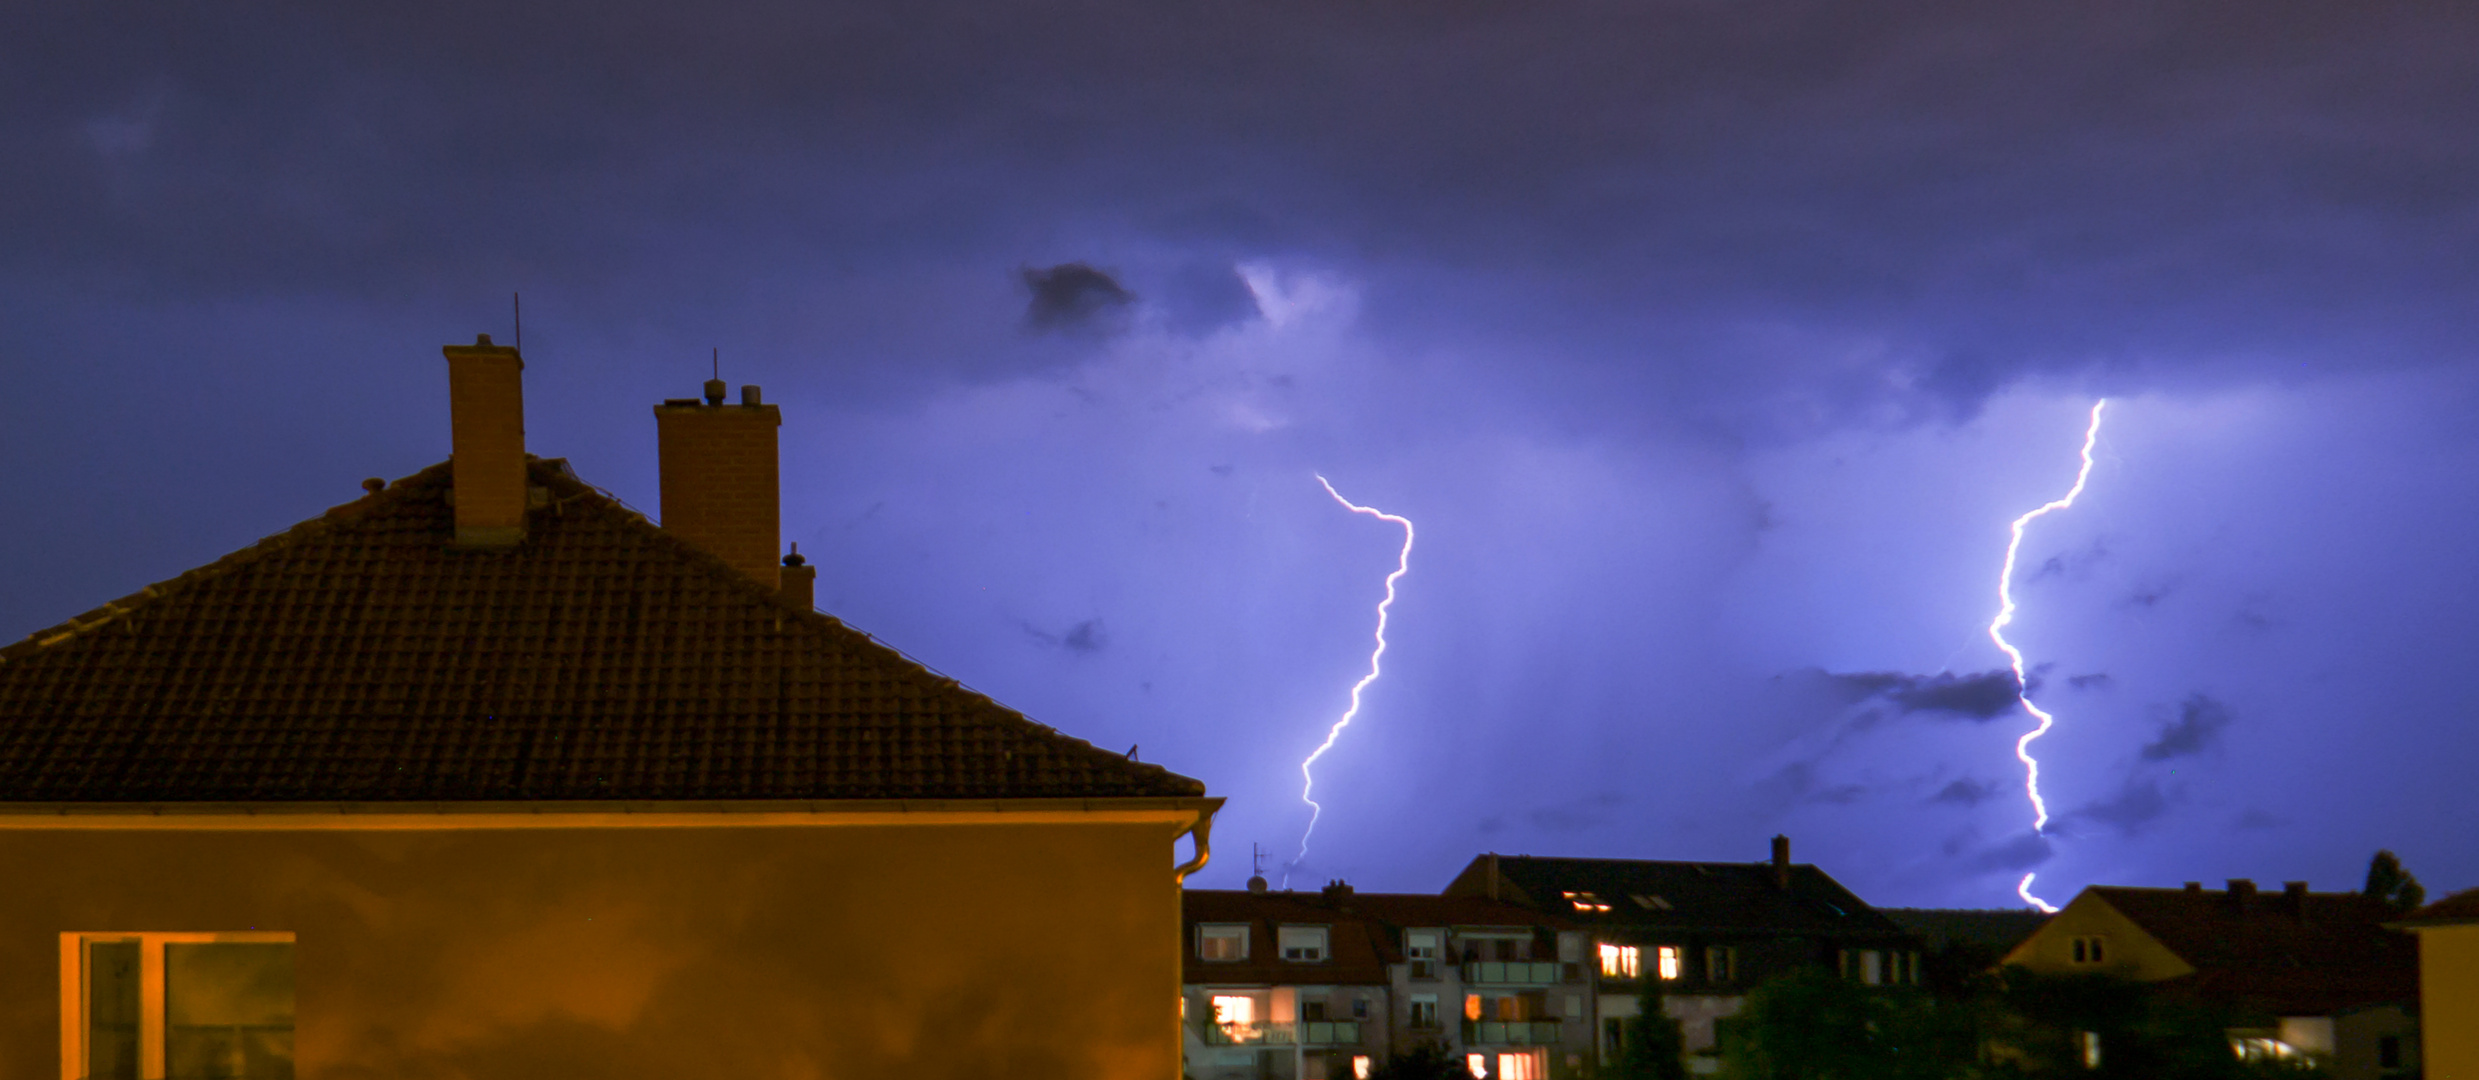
2337, 956
1739, 898
1995, 929
2461, 907
356, 657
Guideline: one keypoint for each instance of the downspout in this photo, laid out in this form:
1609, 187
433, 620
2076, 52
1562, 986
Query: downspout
1200, 835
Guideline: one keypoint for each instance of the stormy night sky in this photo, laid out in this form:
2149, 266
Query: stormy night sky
1712, 346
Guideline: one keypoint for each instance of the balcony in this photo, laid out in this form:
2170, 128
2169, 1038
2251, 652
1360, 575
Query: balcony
1268, 1033
1512, 972
1510, 1033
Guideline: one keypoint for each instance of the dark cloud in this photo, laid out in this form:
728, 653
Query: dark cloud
2098, 680
1073, 296
1199, 298
1084, 638
2137, 804
1983, 696
2198, 726
2022, 852
1965, 792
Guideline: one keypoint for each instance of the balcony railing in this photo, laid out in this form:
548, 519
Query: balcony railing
1512, 972
1268, 1033
1510, 1033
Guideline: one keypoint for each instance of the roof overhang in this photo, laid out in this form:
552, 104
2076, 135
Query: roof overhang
1186, 813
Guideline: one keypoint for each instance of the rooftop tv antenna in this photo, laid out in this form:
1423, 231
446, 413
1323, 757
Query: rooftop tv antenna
517, 301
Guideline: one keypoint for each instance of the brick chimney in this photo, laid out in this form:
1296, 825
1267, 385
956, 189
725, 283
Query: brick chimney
1781, 862
2241, 895
800, 580
486, 417
2294, 899
719, 483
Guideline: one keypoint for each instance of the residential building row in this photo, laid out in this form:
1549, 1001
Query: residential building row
1525, 968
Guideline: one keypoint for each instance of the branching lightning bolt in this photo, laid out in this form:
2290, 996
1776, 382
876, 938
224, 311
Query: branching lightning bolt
2022, 682
1402, 565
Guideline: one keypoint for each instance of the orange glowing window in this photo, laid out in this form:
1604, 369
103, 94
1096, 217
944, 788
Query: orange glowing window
1478, 1064
1585, 901
1530, 1065
1471, 1006
1618, 961
187, 1004
1668, 959
1234, 1009
1359, 1067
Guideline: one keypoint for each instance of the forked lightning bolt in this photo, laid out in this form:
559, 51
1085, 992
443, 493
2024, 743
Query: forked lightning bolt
2022, 681
1402, 565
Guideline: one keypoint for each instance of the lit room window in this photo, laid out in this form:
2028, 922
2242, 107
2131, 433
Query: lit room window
1478, 1064
149, 1004
1303, 944
1223, 943
1421, 947
1471, 1006
2090, 950
2090, 1041
1236, 1014
1585, 901
1359, 1067
1721, 964
1871, 967
1669, 961
1618, 961
1523, 1066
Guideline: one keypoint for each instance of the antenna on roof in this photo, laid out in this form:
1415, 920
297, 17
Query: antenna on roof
1256, 864
718, 362
517, 301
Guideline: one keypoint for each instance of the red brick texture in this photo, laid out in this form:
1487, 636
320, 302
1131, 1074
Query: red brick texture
486, 409
720, 488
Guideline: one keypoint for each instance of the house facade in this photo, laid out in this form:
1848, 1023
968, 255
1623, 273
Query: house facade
485, 775
2448, 932
1322, 986
2309, 974
1704, 934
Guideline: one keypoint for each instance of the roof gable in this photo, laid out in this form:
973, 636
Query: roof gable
356, 657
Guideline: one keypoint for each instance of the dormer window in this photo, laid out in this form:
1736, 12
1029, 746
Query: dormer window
1226, 942
2088, 950
1650, 901
1585, 901
1303, 944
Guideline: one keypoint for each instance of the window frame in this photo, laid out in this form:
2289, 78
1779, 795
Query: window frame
2087, 950
74, 948
1325, 942
1206, 930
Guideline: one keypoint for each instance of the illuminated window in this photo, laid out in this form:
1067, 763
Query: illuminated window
1478, 1064
2089, 950
1721, 964
1222, 943
1359, 1067
1471, 1006
1421, 947
2259, 1046
1618, 961
1871, 967
2090, 1043
1424, 1011
149, 1005
1523, 1066
1236, 1014
1585, 901
1668, 959
1303, 944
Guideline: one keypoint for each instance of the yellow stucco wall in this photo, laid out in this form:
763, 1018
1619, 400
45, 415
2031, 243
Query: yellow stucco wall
2130, 953
663, 954
2449, 1001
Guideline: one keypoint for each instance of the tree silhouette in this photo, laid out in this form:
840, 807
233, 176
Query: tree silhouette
2387, 881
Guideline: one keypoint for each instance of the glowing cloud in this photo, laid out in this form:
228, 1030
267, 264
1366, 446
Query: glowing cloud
1402, 565
2022, 683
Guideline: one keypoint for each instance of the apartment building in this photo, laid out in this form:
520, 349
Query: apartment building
1705, 933
1283, 985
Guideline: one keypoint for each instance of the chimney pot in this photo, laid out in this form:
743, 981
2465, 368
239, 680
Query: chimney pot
749, 396
2241, 894
486, 417
714, 391
2294, 897
2195, 886
374, 485
1781, 862
800, 580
